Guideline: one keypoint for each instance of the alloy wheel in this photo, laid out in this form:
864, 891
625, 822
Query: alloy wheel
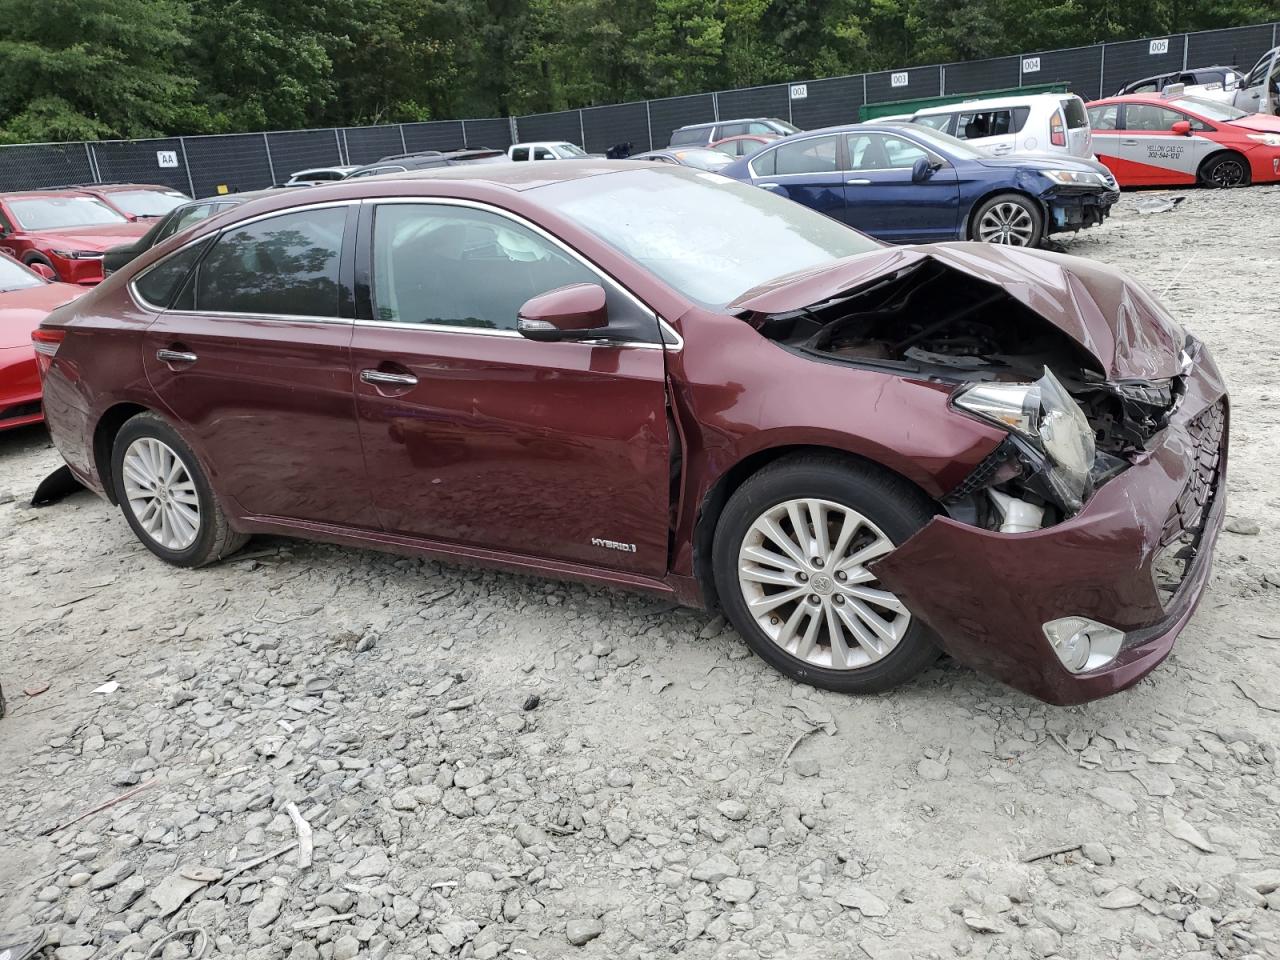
161, 493
1227, 173
1007, 223
802, 572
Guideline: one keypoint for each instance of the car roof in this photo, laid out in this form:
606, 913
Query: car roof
45, 194
716, 123
993, 103
544, 143
122, 187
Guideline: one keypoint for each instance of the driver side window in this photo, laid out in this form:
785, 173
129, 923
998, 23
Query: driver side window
461, 267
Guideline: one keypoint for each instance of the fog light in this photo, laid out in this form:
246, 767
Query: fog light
1083, 644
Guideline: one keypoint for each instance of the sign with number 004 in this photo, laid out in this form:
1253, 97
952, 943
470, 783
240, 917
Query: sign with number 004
898, 79
1159, 47
1030, 64
167, 158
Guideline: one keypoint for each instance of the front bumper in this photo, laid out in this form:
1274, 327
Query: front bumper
987, 595
19, 388
1074, 209
86, 273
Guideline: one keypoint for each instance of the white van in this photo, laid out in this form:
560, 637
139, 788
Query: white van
1036, 123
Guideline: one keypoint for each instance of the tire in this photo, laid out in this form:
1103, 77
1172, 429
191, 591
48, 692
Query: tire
892, 510
146, 447
1010, 218
1224, 170
57, 277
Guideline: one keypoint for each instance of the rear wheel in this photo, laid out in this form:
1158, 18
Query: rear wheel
790, 557
1225, 170
166, 497
1009, 218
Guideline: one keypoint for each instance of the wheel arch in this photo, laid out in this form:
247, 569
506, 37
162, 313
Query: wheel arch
717, 496
1220, 154
971, 218
104, 438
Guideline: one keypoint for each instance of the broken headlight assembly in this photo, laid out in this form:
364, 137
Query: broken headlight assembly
1049, 422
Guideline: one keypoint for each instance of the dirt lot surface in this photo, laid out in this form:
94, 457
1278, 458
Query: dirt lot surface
496, 766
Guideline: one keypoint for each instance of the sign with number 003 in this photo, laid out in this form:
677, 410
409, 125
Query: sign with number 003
898, 79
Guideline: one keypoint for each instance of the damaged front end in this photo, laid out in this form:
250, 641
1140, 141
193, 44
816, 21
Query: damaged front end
1073, 423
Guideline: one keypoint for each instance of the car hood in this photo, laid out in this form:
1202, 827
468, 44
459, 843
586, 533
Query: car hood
1045, 161
94, 238
21, 311
1259, 122
1111, 316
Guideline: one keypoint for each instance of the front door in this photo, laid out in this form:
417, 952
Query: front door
1259, 91
806, 170
883, 200
1151, 154
253, 361
476, 436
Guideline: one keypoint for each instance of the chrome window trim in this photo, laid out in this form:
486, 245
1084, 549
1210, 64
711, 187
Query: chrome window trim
148, 305
608, 279
790, 141
935, 157
273, 317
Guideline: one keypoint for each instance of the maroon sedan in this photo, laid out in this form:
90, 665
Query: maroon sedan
26, 298
860, 453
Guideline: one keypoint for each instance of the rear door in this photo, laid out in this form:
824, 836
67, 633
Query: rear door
883, 200
477, 437
806, 170
1104, 124
1151, 154
991, 131
253, 360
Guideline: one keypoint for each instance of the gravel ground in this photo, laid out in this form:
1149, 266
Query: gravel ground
493, 765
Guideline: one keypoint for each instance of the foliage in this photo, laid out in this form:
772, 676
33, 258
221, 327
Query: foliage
86, 69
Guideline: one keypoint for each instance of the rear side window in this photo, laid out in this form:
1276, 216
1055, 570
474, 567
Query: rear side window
1103, 118
733, 130
520, 153
936, 121
542, 153
285, 266
984, 123
160, 283
685, 137
1073, 109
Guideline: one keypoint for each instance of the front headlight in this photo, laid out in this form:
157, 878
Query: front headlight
1045, 414
78, 254
1083, 178
1270, 139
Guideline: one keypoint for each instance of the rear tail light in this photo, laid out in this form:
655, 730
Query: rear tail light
46, 341
1057, 130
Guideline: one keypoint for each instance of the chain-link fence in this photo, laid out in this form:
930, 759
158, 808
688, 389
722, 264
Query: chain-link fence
201, 166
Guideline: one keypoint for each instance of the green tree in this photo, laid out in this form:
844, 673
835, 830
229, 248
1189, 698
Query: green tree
87, 69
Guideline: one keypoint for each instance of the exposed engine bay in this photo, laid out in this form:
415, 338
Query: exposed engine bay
1011, 366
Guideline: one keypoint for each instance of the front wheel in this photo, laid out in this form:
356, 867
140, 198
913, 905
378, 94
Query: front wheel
1225, 170
166, 497
1010, 219
790, 558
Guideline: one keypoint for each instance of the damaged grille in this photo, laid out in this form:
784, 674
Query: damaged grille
1184, 527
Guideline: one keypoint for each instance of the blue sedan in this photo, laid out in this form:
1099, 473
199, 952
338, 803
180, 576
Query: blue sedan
904, 183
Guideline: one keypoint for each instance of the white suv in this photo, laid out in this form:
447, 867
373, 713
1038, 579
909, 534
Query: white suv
1036, 123
546, 150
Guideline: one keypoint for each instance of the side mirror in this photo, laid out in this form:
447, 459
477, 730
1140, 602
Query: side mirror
1182, 128
921, 170
44, 270
575, 312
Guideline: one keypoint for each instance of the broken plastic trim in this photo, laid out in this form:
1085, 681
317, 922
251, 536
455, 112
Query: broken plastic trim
56, 487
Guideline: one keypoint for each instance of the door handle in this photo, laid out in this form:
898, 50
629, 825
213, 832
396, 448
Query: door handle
858, 183
767, 186
1129, 143
176, 356
395, 379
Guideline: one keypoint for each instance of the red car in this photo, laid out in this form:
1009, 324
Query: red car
1160, 140
26, 298
641, 375
137, 201
66, 230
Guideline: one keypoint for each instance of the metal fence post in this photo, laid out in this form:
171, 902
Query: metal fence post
864, 89
338, 142
648, 122
346, 147
582, 130
715, 106
464, 132
1186, 42
182, 142
1102, 70
88, 156
270, 165
942, 80
403, 143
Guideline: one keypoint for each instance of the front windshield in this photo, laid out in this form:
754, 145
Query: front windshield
14, 276
710, 238
942, 141
1209, 109
572, 150
146, 203
53, 213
